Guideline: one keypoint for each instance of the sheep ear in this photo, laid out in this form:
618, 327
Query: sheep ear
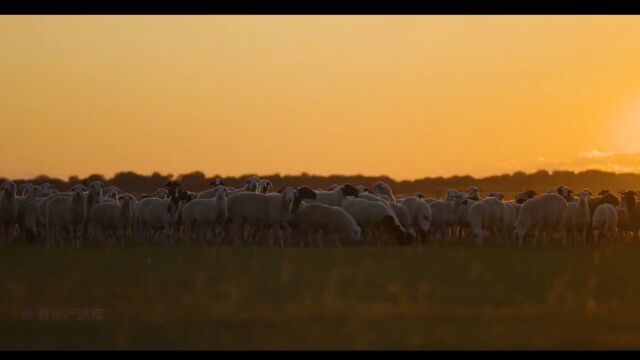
306, 193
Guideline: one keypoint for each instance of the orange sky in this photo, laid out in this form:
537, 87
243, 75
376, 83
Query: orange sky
405, 96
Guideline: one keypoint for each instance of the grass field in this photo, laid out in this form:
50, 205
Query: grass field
434, 297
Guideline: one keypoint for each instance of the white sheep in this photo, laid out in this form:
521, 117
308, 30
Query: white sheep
94, 194
420, 216
327, 221
577, 217
543, 213
256, 211
207, 215
67, 213
486, 216
115, 218
8, 210
27, 215
374, 219
158, 215
605, 220
447, 214
404, 218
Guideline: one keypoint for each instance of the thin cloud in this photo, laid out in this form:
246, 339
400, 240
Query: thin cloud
594, 159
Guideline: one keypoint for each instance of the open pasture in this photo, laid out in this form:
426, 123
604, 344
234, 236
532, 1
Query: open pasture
454, 296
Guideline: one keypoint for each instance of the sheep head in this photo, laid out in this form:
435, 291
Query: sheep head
522, 197
473, 193
113, 191
252, 184
451, 194
9, 188
349, 190
565, 192
78, 190
265, 186
585, 194
302, 193
26, 188
162, 193
381, 188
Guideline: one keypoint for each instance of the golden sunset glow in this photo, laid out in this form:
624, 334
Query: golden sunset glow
404, 96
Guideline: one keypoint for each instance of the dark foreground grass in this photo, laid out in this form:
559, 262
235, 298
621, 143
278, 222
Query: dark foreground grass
445, 297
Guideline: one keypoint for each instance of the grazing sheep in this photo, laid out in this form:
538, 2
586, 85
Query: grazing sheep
419, 215
404, 217
577, 217
382, 189
115, 219
327, 221
206, 214
256, 211
605, 219
543, 213
67, 213
486, 215
8, 210
374, 218
334, 197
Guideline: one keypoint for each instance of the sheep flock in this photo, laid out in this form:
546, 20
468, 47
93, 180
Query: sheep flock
344, 214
